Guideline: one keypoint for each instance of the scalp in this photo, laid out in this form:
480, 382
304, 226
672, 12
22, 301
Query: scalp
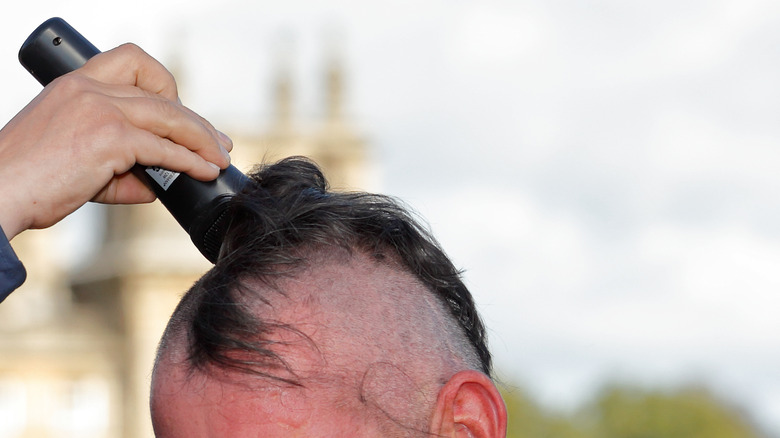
355, 329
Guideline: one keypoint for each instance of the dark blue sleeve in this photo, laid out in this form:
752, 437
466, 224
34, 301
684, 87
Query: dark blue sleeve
12, 273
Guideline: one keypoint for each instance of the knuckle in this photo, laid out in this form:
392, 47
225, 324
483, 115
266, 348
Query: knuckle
168, 118
77, 96
71, 85
172, 83
96, 110
100, 116
111, 127
130, 50
166, 108
167, 82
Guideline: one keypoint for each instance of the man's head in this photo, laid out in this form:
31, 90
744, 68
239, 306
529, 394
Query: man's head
327, 314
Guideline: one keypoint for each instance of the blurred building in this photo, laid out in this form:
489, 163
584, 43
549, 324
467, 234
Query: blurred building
76, 348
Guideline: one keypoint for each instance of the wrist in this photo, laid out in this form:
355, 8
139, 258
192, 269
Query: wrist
10, 226
13, 218
11, 222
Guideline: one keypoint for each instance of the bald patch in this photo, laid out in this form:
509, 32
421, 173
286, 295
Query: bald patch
359, 331
357, 307
382, 338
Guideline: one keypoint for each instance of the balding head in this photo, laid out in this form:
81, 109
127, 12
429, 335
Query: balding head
348, 331
327, 315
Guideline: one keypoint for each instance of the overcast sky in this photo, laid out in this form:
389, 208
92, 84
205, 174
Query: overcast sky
606, 172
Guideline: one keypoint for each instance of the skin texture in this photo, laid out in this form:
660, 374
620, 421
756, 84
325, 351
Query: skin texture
76, 141
364, 340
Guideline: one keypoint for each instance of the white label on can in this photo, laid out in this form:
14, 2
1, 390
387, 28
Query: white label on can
164, 178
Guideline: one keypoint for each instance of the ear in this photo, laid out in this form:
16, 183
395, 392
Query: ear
469, 405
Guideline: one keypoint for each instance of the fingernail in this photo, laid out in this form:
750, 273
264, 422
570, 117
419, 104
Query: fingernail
225, 139
214, 166
225, 154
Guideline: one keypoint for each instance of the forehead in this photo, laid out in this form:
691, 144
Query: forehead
208, 407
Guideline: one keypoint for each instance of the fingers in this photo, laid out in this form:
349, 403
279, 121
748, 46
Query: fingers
171, 121
129, 71
151, 150
224, 140
124, 189
121, 91
128, 64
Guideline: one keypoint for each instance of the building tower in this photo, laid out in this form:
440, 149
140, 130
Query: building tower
82, 344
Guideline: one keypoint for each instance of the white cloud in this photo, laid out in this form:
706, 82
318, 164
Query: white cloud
606, 171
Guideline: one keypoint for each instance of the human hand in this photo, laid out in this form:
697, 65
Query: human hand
77, 140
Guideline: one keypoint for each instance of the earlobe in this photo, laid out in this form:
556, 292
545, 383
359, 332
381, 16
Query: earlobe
469, 405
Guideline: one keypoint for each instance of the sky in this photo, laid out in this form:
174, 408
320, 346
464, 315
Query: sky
605, 172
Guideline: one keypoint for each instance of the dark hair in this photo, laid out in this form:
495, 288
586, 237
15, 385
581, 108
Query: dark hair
286, 211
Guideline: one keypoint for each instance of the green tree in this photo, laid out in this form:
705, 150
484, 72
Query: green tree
528, 420
623, 412
687, 413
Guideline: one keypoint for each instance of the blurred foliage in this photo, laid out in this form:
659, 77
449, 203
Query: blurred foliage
527, 420
624, 412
